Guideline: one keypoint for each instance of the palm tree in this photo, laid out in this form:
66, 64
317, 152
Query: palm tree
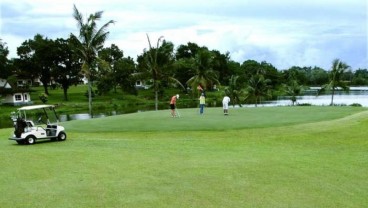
90, 40
158, 61
234, 90
153, 66
293, 89
258, 87
335, 81
204, 74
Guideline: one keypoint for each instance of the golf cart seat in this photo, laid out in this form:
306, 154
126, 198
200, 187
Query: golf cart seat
51, 126
51, 129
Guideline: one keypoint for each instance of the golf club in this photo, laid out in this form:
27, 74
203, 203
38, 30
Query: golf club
177, 112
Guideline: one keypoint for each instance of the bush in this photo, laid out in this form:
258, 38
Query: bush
43, 98
304, 104
356, 105
104, 86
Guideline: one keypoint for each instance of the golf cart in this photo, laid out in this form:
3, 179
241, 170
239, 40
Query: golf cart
28, 129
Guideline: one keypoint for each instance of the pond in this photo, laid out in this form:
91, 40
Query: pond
84, 116
356, 95
100, 113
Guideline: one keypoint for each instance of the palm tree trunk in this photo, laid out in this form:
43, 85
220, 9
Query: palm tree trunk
332, 96
256, 101
90, 97
156, 100
156, 95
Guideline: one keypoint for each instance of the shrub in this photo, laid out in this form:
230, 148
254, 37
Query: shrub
43, 98
304, 104
356, 105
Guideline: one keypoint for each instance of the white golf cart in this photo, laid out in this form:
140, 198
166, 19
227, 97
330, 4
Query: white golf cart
28, 130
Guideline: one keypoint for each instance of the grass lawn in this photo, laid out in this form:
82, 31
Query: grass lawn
255, 157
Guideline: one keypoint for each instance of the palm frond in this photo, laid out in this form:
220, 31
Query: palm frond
78, 17
98, 15
176, 81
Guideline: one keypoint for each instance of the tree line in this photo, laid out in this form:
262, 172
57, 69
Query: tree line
83, 55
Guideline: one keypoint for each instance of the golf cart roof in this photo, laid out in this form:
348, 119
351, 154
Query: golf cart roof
32, 107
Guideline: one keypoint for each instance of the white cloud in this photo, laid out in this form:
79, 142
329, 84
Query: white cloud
283, 33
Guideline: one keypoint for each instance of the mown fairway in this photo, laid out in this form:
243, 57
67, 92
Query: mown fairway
255, 157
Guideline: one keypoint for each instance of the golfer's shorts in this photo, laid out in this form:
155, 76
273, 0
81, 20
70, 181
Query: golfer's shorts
172, 106
225, 106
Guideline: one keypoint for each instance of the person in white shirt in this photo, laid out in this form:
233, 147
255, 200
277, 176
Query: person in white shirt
225, 105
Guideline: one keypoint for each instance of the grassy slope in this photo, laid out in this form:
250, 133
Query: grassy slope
256, 157
213, 120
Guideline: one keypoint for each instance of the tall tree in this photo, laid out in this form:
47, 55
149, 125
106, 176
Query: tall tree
204, 73
184, 69
270, 72
360, 77
184, 64
90, 40
258, 87
67, 65
234, 67
37, 59
317, 77
152, 64
120, 73
220, 64
125, 68
336, 78
292, 87
112, 55
234, 90
249, 68
4, 69
187, 51
159, 61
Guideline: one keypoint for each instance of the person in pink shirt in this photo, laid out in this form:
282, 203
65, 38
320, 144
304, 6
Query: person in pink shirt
173, 104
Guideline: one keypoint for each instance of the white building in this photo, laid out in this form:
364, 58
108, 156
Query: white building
10, 97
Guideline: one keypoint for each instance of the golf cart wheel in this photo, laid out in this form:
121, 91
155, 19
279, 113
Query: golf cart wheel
62, 136
30, 140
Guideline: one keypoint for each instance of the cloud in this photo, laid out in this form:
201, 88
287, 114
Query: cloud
284, 33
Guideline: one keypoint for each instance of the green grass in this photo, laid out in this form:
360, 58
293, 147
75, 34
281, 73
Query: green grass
212, 120
256, 157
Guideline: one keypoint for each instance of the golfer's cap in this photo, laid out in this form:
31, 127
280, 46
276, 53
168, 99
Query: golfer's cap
177, 96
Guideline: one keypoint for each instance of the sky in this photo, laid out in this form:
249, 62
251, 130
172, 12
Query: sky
284, 33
